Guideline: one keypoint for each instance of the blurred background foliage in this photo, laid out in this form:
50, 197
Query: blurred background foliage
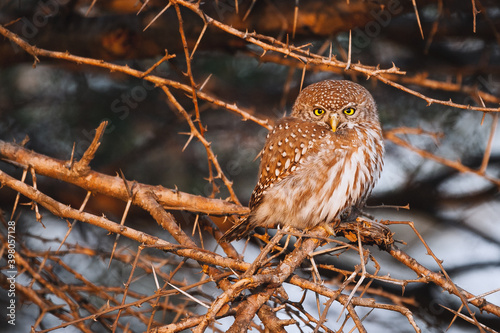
58, 104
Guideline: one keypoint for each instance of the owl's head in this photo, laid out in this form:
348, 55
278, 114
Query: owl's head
337, 103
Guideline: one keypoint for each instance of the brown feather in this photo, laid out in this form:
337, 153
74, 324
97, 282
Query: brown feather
311, 173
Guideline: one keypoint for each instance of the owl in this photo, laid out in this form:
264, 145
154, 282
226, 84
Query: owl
318, 164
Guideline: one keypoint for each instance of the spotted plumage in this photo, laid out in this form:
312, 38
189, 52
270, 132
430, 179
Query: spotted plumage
318, 163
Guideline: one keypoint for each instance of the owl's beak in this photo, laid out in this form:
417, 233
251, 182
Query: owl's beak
334, 122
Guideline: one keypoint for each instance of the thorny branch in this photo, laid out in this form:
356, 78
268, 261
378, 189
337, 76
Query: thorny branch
247, 288
304, 56
273, 277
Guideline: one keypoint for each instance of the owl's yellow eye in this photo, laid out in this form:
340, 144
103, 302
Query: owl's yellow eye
319, 111
349, 111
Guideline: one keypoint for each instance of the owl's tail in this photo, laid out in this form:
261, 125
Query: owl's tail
238, 231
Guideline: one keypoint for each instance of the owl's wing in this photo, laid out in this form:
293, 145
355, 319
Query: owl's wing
286, 145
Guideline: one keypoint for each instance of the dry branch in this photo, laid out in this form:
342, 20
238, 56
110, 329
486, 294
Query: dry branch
267, 44
113, 186
269, 279
392, 135
246, 289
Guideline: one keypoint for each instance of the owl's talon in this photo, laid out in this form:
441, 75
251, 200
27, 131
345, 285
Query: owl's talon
365, 222
329, 230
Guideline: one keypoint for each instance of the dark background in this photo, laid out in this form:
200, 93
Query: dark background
58, 104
